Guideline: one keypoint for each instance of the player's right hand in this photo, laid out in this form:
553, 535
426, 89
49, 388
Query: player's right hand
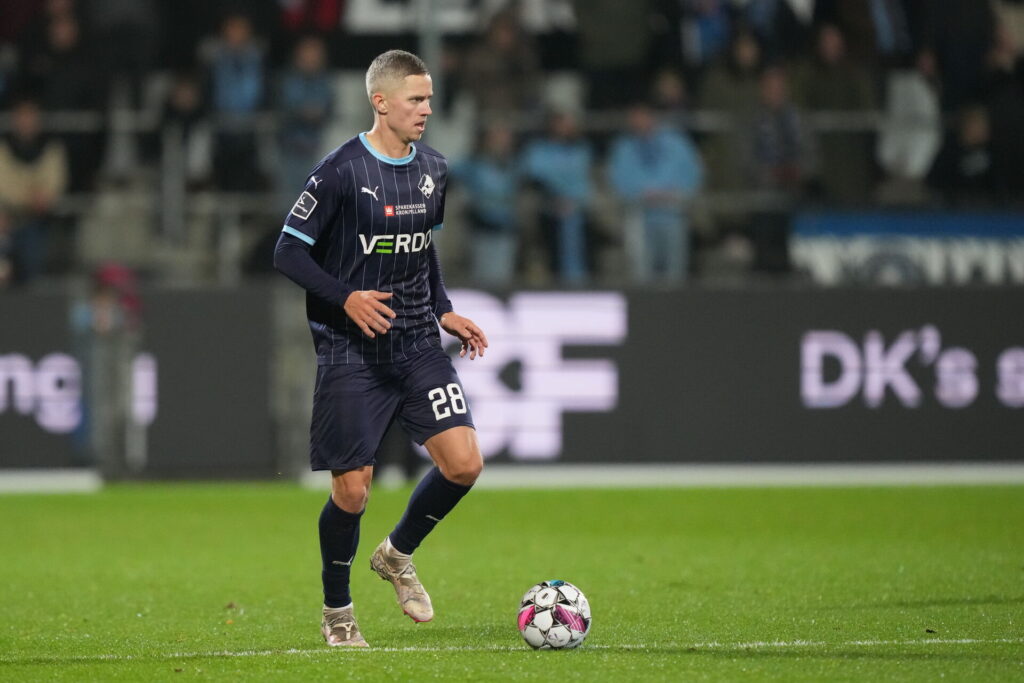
367, 310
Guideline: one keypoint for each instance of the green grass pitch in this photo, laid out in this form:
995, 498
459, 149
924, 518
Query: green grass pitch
215, 582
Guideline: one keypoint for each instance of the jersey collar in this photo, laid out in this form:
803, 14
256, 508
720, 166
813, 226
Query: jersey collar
383, 157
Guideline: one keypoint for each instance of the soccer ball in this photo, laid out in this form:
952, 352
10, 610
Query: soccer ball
554, 615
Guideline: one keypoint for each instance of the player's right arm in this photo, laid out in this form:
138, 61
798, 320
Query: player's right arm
306, 222
368, 310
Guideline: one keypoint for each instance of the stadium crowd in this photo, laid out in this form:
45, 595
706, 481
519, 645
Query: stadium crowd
648, 141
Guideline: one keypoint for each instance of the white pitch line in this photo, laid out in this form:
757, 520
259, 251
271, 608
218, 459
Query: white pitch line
560, 475
49, 481
712, 645
633, 475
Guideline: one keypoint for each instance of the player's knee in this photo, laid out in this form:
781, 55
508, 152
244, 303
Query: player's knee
351, 497
351, 501
466, 472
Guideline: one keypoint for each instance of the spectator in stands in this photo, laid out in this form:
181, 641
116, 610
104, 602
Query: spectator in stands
967, 172
105, 329
960, 33
832, 83
783, 27
878, 32
656, 171
559, 164
306, 100
1004, 99
63, 74
781, 149
911, 133
502, 70
706, 26
731, 89
613, 44
1010, 16
126, 36
33, 34
185, 128
670, 96
490, 178
237, 94
57, 64
780, 161
33, 176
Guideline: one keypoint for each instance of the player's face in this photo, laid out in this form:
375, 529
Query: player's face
409, 107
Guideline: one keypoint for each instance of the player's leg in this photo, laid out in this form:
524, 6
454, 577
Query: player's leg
457, 455
436, 415
339, 538
459, 463
352, 407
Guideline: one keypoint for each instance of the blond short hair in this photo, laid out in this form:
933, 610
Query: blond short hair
392, 66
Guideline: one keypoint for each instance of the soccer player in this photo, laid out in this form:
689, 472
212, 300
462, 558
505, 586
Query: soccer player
359, 241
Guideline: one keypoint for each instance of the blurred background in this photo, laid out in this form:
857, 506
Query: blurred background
694, 230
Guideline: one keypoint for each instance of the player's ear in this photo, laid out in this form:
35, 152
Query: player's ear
380, 104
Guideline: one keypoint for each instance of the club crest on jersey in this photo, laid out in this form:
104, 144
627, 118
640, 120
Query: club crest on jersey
395, 244
304, 206
426, 185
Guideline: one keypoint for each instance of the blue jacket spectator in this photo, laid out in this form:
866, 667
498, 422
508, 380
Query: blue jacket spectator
656, 171
490, 177
706, 29
306, 104
560, 165
236, 71
237, 92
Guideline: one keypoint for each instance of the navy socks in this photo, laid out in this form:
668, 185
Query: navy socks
433, 498
339, 536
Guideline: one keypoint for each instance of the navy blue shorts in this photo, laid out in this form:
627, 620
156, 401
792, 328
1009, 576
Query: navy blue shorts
353, 406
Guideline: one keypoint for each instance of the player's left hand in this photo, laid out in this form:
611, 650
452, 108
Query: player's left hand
473, 339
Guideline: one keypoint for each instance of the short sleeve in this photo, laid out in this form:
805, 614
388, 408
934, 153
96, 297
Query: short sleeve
316, 206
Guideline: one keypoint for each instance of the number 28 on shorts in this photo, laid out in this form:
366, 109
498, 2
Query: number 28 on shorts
447, 400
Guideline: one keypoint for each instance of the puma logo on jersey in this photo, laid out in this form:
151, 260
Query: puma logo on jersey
396, 244
372, 193
316, 181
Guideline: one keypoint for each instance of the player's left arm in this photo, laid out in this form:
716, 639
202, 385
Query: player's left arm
473, 339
